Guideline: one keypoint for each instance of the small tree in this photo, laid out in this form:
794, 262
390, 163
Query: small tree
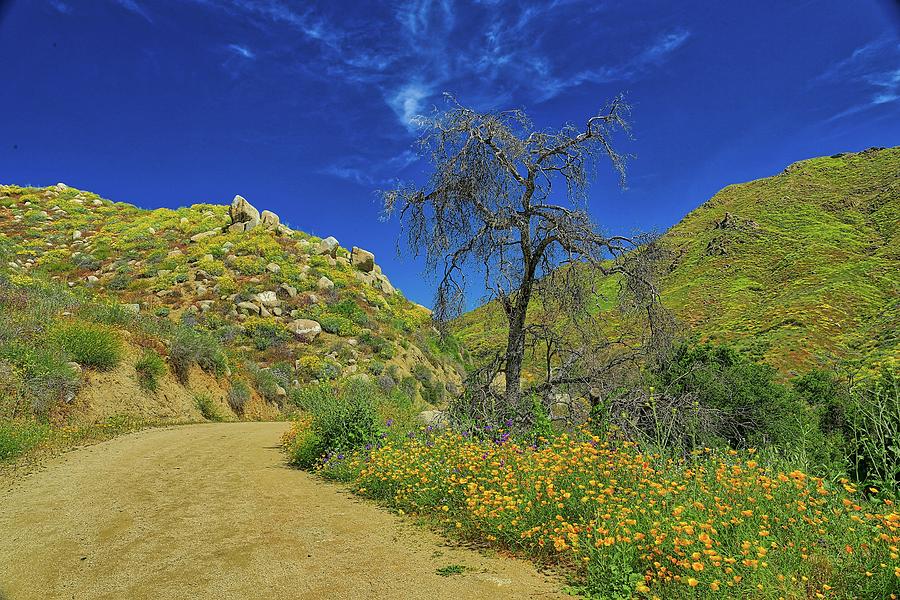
490, 207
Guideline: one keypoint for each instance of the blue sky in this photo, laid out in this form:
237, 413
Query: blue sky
306, 108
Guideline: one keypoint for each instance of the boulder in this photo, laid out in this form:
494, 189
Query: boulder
290, 290
132, 308
61, 186
244, 216
269, 220
249, 307
433, 418
305, 329
76, 235
202, 236
267, 299
328, 246
362, 259
325, 284
273, 268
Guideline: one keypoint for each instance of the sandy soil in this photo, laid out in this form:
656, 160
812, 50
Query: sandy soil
211, 511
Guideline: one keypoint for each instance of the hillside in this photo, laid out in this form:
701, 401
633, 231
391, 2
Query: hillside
233, 304
798, 269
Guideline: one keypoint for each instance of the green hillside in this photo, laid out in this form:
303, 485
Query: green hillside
798, 269
226, 301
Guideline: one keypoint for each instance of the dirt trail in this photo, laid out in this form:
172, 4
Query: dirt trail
211, 511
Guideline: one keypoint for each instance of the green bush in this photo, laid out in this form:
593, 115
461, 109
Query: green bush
238, 396
347, 418
207, 407
17, 437
266, 383
315, 367
754, 408
150, 367
266, 332
44, 376
338, 325
90, 345
189, 347
306, 449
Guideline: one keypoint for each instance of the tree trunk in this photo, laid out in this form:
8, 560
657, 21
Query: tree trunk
515, 352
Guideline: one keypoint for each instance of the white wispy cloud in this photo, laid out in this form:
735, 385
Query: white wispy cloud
354, 174
652, 55
407, 103
665, 45
133, 6
498, 53
61, 7
371, 171
242, 51
874, 67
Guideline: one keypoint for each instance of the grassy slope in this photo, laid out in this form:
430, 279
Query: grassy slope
126, 255
806, 270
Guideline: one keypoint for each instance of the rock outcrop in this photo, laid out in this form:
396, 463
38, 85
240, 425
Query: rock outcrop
362, 259
328, 246
244, 215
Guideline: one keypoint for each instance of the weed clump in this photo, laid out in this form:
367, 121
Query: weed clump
90, 345
238, 396
207, 407
150, 367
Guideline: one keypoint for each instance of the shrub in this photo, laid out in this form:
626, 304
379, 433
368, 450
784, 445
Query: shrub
315, 367
119, 282
338, 325
150, 367
873, 422
306, 448
90, 345
238, 396
343, 419
266, 332
18, 437
188, 347
45, 378
207, 407
755, 409
266, 383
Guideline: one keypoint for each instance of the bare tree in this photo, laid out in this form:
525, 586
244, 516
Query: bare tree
490, 207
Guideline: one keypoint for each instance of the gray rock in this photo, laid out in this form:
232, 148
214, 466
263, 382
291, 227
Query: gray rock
273, 268
243, 214
362, 259
76, 235
325, 284
305, 329
248, 307
328, 246
267, 299
290, 290
132, 308
434, 418
202, 236
269, 220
